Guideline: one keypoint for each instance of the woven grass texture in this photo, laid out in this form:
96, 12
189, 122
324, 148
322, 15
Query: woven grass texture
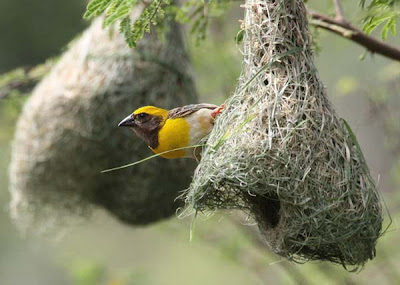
67, 133
280, 152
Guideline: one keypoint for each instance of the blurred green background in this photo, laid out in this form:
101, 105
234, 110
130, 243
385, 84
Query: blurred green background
104, 251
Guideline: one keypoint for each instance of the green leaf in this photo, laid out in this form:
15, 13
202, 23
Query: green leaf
393, 26
377, 3
95, 8
114, 5
389, 25
385, 30
125, 28
373, 24
239, 37
119, 11
180, 15
151, 15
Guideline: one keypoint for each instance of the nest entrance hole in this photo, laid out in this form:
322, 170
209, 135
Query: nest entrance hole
266, 207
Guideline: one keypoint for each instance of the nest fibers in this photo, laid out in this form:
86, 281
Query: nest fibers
280, 152
67, 132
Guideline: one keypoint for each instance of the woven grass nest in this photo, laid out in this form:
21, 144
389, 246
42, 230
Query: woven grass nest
280, 152
67, 133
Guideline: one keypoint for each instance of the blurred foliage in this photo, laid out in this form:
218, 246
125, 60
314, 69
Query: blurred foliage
381, 13
91, 272
197, 14
9, 112
384, 107
86, 272
217, 83
346, 85
22, 80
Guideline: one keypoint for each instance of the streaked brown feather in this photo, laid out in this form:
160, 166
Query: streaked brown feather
189, 109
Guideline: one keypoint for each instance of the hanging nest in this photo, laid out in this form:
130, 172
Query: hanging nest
280, 152
67, 133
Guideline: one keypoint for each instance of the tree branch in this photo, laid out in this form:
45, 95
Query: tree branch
345, 29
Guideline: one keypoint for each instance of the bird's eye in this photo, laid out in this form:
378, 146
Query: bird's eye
142, 115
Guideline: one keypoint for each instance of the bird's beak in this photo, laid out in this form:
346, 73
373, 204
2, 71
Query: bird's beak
127, 122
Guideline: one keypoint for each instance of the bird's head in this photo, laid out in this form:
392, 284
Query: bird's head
146, 122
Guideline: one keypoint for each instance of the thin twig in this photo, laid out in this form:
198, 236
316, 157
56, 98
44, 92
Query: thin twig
339, 11
345, 29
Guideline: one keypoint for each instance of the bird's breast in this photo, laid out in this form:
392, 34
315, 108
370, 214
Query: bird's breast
174, 134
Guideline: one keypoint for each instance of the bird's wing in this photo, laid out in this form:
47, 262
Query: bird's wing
188, 109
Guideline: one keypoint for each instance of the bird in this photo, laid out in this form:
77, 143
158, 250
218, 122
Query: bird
165, 130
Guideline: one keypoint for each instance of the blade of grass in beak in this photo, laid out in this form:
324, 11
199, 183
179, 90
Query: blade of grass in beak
150, 157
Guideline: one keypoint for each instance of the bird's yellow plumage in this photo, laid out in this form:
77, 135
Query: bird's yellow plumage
166, 130
174, 134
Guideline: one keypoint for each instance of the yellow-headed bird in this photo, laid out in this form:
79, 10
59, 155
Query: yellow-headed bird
165, 130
